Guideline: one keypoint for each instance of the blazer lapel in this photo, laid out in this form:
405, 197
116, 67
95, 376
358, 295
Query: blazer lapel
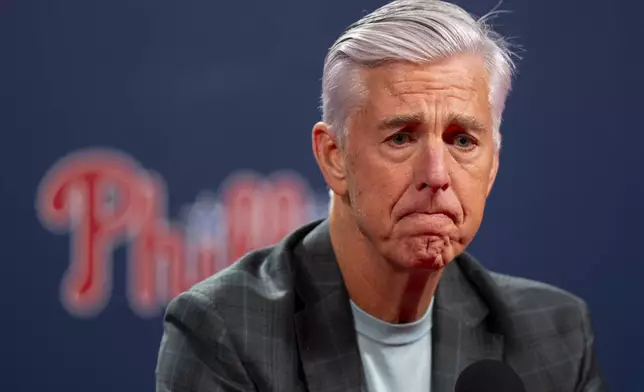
323, 320
463, 332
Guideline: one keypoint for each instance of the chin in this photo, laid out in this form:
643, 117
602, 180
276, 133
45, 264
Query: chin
428, 262
424, 261
427, 254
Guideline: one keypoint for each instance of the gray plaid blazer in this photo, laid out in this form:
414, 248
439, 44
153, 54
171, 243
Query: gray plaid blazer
280, 319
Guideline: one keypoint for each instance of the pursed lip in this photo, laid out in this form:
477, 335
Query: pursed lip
448, 214
432, 224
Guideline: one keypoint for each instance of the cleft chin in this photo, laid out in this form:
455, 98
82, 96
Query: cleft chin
433, 252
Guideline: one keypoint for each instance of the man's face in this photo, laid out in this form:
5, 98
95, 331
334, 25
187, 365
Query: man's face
420, 159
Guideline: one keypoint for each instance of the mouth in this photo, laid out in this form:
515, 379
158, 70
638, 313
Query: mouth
436, 223
437, 216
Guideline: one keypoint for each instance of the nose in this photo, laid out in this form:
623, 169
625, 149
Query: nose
432, 168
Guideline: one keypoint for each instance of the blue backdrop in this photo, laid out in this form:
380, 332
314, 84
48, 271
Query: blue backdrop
185, 97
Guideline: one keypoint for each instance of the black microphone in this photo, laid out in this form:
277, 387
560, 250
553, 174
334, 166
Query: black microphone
489, 376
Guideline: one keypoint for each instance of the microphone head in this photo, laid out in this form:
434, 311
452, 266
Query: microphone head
487, 376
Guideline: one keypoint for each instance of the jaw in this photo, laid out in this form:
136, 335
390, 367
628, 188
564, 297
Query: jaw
391, 291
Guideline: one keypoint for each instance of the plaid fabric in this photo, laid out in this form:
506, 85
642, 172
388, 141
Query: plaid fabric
279, 319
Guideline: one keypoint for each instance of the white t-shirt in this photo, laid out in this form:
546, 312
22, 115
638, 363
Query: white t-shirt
395, 357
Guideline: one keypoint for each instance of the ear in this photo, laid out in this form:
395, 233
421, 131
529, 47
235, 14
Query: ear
494, 170
330, 158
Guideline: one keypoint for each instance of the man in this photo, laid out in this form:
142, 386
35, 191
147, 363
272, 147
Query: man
381, 296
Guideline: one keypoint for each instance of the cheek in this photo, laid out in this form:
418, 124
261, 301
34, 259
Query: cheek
376, 188
473, 196
373, 193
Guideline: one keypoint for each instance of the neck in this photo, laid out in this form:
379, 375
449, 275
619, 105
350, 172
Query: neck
377, 286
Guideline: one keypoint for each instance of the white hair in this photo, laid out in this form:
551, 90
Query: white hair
416, 31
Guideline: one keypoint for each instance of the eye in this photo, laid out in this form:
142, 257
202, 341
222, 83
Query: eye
400, 138
460, 138
463, 141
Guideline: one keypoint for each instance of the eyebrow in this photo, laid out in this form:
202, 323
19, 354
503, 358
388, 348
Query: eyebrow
402, 120
470, 123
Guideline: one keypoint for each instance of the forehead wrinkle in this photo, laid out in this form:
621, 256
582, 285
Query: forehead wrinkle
431, 91
392, 89
428, 106
456, 87
465, 96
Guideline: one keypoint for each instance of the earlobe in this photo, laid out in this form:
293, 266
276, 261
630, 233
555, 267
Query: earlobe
329, 157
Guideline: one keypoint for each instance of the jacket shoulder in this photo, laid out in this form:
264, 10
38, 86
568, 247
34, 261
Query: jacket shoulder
527, 292
536, 309
552, 327
262, 274
260, 283
228, 324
